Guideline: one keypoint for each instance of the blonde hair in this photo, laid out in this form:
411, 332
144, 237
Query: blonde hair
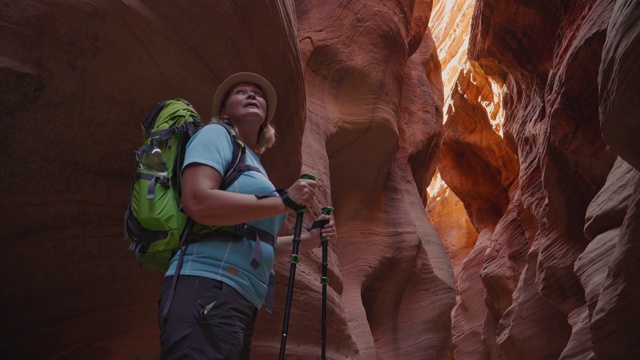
266, 136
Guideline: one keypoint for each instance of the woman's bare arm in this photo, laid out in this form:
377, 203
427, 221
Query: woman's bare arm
205, 203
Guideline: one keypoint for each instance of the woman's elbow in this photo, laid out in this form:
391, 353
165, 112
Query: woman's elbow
201, 211
193, 207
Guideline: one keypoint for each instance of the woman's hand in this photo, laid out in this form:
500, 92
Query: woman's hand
308, 241
303, 191
312, 239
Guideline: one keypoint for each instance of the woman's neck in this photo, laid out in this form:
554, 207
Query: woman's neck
247, 133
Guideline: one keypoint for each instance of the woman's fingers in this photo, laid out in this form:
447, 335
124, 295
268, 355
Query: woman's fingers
303, 191
329, 230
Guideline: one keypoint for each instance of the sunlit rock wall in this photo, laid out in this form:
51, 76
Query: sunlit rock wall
449, 24
552, 274
360, 101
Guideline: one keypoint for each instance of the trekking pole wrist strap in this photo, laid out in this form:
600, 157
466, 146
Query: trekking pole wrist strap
267, 195
318, 224
288, 202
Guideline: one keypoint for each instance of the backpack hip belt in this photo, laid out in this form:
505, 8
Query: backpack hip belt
236, 233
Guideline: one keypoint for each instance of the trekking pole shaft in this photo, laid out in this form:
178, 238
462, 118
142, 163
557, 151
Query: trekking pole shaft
324, 299
294, 260
292, 275
324, 280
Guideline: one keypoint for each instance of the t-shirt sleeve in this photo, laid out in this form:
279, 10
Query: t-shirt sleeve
210, 146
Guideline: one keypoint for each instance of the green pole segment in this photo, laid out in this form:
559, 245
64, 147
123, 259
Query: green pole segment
294, 260
324, 280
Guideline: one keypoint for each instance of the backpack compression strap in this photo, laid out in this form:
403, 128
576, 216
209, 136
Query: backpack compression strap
152, 182
165, 134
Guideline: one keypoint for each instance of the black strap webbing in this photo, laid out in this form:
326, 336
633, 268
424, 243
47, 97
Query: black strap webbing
166, 134
153, 180
317, 224
174, 282
135, 230
271, 286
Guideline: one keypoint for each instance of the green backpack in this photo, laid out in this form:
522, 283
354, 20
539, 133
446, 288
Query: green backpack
155, 225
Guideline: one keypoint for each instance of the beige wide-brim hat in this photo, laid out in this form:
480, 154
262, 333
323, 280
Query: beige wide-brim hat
268, 91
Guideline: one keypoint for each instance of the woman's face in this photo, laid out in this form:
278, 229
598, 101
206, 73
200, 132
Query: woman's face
245, 101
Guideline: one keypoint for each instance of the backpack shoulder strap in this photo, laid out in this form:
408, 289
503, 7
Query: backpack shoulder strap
238, 159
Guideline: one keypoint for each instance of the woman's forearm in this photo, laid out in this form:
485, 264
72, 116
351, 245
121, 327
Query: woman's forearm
221, 208
308, 241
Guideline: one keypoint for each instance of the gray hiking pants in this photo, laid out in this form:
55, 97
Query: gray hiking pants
208, 319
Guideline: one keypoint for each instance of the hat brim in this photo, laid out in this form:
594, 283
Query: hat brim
268, 91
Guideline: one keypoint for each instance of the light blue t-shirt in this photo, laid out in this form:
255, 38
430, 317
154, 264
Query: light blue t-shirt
228, 261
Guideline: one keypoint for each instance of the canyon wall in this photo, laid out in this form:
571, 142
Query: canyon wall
551, 187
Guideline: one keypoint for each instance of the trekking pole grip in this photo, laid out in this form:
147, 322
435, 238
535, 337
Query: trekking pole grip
305, 177
308, 177
326, 211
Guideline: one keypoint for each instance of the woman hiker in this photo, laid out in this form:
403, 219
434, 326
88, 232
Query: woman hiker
222, 284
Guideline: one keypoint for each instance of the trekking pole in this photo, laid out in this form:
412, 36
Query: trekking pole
324, 280
294, 260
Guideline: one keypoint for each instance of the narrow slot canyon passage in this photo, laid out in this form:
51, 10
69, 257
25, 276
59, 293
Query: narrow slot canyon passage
481, 157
